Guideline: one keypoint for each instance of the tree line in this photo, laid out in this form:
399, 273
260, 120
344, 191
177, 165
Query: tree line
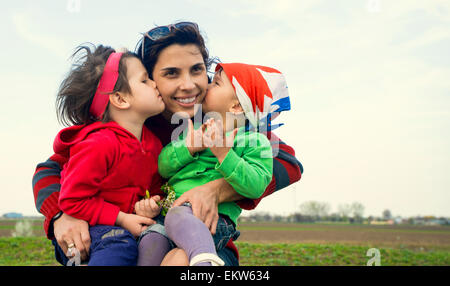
314, 211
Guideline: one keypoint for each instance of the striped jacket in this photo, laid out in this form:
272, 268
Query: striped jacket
46, 179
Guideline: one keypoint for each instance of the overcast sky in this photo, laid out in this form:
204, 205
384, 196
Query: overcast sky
369, 83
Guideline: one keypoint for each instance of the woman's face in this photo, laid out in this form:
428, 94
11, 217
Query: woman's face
180, 75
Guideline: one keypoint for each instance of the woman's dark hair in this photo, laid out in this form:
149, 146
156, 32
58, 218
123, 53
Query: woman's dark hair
77, 90
183, 35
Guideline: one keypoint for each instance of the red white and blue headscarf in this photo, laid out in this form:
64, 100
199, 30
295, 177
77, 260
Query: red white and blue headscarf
262, 92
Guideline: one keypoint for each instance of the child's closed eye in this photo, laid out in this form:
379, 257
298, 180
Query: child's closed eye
145, 78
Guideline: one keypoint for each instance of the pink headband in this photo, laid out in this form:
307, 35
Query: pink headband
106, 85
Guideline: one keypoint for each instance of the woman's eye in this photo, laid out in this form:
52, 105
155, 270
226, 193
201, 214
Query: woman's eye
197, 69
170, 74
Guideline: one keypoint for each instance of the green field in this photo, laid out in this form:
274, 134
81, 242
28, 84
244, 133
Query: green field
39, 251
309, 254
286, 244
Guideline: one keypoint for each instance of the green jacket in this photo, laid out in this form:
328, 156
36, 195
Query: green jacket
247, 168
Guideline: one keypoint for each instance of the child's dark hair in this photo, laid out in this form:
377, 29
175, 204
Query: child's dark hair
77, 90
184, 35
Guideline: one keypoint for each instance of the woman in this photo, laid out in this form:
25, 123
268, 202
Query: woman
176, 58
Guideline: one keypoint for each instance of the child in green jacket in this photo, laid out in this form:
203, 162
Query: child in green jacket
240, 96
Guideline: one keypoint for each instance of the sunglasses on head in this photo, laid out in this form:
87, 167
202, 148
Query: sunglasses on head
162, 31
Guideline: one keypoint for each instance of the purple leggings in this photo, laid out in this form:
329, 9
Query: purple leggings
185, 230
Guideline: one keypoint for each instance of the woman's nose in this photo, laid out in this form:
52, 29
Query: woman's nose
187, 83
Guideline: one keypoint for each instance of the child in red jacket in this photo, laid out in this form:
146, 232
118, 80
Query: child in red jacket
107, 97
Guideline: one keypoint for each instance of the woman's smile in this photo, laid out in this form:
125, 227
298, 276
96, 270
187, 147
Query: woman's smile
187, 101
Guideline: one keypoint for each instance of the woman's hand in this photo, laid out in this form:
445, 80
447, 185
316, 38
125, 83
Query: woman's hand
69, 230
194, 138
204, 200
148, 207
135, 224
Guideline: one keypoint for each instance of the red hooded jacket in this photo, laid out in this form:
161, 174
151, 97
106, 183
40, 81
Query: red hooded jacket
109, 170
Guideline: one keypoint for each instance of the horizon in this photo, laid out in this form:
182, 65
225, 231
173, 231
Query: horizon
248, 214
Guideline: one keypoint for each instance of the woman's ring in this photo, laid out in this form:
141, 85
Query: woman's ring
72, 245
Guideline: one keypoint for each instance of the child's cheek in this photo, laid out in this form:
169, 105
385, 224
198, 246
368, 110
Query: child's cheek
205, 105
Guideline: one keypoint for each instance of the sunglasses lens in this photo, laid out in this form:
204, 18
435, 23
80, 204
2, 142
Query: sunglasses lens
158, 32
184, 24
162, 31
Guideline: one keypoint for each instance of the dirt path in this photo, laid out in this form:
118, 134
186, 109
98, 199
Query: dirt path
386, 235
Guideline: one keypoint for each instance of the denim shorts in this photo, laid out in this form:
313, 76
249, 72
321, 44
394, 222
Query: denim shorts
225, 231
159, 228
110, 246
228, 256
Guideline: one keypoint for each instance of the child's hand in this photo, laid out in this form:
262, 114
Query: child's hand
148, 207
194, 138
135, 224
215, 139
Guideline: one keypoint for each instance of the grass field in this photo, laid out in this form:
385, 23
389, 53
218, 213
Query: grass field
267, 244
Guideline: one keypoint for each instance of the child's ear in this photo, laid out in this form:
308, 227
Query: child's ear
236, 108
119, 100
